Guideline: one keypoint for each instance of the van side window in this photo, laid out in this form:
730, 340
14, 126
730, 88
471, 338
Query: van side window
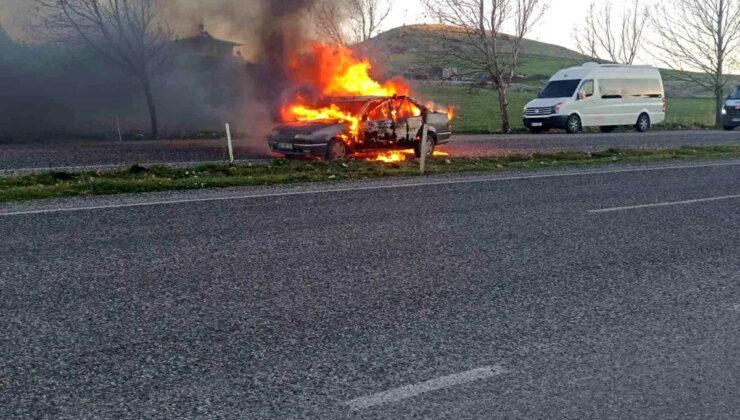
611, 89
631, 88
587, 90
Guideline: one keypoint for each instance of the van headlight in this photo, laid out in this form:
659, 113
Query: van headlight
724, 111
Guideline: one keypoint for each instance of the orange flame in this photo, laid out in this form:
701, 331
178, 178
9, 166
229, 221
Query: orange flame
393, 157
303, 113
334, 72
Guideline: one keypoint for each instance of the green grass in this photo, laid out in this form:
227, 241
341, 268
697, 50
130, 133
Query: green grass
477, 110
159, 178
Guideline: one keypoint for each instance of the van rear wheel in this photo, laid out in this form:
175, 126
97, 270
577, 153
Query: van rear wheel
573, 125
643, 123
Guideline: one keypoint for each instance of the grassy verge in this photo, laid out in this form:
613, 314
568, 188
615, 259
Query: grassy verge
136, 179
477, 110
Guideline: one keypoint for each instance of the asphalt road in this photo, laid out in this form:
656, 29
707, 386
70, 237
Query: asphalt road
102, 154
520, 295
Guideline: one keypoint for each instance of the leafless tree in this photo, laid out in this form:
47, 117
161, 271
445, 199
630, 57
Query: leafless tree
473, 37
330, 17
700, 39
367, 16
605, 40
128, 33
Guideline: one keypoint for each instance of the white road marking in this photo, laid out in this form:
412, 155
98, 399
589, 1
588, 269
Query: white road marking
352, 189
410, 391
665, 204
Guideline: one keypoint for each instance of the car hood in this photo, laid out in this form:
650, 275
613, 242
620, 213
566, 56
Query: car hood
733, 102
546, 102
308, 127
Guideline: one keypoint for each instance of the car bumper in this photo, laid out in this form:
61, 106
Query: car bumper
731, 120
291, 148
444, 138
554, 121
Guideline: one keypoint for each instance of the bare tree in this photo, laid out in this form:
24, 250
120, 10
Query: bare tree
700, 39
330, 17
128, 33
605, 40
367, 16
473, 37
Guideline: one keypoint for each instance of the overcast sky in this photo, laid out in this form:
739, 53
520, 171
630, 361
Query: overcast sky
555, 28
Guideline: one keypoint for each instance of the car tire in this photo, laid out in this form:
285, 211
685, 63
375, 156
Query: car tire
336, 150
431, 145
573, 125
608, 128
643, 123
729, 128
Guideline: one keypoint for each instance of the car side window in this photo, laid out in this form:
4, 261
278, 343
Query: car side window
587, 90
380, 112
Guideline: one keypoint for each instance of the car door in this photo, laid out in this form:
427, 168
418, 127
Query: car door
378, 127
408, 120
587, 104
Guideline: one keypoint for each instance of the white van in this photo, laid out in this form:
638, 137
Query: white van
731, 110
599, 95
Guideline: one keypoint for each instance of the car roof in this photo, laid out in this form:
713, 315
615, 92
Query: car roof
366, 98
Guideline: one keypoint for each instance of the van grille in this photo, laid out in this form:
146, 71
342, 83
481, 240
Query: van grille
733, 111
536, 112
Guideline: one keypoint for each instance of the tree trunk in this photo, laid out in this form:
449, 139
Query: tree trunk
719, 98
152, 107
503, 103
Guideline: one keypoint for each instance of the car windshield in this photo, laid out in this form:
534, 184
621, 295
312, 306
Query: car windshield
352, 107
560, 89
736, 94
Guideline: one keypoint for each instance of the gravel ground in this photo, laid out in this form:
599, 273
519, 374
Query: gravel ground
289, 302
104, 155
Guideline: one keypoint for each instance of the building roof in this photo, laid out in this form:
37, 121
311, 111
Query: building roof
206, 38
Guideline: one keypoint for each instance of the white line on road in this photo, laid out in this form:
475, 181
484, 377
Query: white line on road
410, 391
665, 204
354, 189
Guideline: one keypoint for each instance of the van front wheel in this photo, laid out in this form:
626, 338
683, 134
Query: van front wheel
643, 123
573, 125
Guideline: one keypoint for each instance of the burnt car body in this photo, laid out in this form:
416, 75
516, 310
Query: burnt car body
393, 123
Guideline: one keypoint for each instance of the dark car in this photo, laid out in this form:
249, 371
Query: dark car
731, 111
393, 123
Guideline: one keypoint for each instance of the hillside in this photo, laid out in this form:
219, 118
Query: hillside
415, 52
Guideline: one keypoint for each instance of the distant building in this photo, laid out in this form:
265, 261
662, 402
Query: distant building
204, 45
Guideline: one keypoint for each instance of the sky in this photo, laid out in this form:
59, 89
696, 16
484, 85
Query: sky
555, 28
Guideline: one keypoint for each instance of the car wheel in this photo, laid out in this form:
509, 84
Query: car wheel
431, 144
336, 150
608, 128
729, 128
573, 125
643, 123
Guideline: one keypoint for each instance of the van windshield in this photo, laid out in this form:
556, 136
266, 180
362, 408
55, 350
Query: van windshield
560, 89
736, 94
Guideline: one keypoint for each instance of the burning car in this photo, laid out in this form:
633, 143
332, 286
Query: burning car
345, 125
